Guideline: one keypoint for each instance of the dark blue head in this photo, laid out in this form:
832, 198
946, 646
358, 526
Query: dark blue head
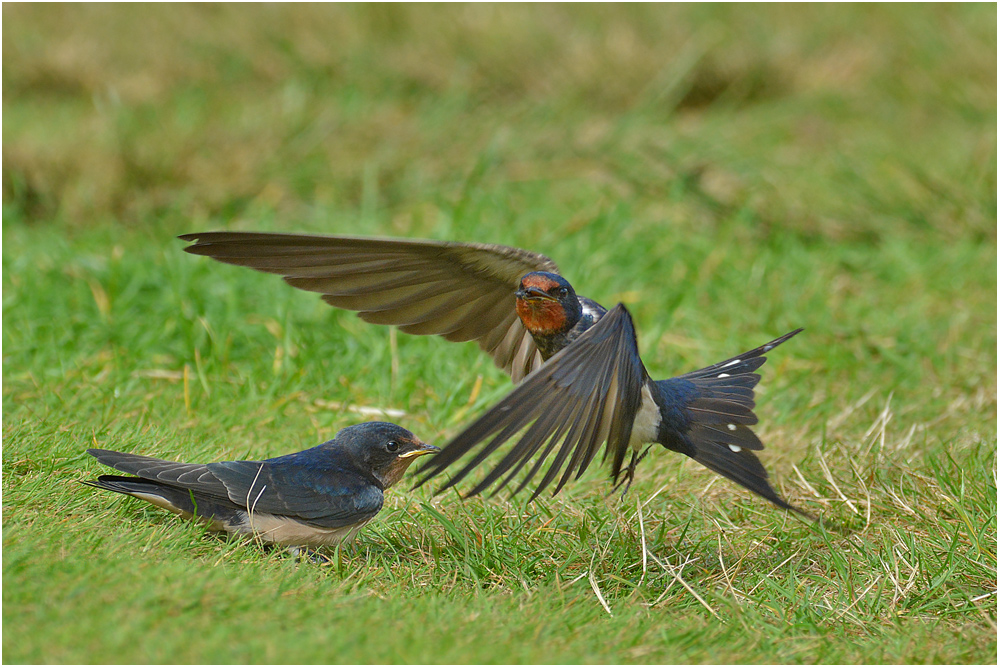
382, 448
547, 303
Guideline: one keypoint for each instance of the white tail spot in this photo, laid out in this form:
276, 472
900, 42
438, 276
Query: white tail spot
731, 363
723, 375
732, 427
735, 448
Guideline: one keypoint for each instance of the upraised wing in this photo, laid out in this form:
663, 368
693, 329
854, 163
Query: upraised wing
586, 395
461, 291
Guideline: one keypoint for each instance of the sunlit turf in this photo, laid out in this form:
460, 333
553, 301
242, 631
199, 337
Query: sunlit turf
733, 185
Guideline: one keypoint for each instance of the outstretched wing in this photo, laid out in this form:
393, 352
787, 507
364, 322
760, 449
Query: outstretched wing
461, 291
586, 395
330, 500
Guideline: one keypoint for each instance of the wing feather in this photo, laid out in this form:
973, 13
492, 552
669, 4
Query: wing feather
585, 396
409, 283
329, 500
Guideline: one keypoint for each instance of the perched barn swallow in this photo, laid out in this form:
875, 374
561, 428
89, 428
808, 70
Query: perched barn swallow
317, 497
584, 383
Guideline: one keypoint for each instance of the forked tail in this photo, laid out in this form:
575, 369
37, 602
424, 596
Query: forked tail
707, 414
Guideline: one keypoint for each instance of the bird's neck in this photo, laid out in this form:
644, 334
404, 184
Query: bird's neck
394, 473
548, 322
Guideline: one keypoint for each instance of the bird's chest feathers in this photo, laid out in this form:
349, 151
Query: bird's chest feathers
542, 317
646, 427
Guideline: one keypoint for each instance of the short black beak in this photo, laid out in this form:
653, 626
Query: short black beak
531, 294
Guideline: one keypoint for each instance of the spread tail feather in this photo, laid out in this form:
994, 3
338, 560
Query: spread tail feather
742, 467
707, 414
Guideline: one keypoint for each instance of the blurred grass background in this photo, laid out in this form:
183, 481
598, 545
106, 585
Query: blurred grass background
729, 171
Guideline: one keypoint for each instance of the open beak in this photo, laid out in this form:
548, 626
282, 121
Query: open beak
422, 449
534, 294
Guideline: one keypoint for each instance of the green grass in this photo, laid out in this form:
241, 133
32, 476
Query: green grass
730, 172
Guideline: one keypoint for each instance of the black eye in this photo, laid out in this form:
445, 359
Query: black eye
392, 446
563, 292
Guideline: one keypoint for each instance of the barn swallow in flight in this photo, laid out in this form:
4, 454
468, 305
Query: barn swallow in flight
318, 497
583, 381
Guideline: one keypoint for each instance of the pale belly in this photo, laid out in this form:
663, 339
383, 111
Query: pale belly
287, 531
269, 528
647, 421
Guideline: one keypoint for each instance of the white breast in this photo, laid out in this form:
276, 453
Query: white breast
647, 421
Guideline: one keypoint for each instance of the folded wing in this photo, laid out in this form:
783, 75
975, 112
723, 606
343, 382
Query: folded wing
329, 500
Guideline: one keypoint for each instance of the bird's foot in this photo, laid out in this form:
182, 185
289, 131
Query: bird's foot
315, 556
630, 472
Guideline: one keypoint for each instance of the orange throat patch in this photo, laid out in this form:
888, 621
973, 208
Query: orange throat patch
541, 316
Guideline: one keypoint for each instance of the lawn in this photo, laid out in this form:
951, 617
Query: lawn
728, 172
